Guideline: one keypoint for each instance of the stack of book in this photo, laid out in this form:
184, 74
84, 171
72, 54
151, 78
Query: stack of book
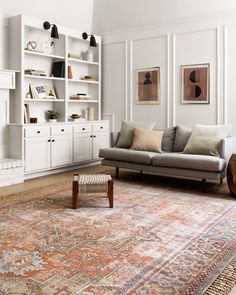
80, 96
35, 72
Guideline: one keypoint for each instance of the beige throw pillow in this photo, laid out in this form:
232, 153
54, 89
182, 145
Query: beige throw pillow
147, 140
205, 139
126, 133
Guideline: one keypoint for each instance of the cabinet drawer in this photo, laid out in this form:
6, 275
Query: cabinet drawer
83, 128
37, 131
103, 126
61, 129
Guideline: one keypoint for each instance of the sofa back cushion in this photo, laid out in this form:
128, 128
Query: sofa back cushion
181, 138
147, 140
168, 139
206, 139
125, 139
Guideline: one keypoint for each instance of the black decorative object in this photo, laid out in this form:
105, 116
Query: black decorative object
58, 69
54, 31
93, 42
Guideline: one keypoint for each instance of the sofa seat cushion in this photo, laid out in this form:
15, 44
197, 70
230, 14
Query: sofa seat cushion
187, 161
126, 155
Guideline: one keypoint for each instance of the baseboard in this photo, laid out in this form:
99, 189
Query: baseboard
60, 170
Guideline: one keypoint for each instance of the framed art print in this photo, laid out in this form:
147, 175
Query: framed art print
196, 84
148, 86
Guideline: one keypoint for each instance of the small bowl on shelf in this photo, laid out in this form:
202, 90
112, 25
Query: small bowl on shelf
75, 116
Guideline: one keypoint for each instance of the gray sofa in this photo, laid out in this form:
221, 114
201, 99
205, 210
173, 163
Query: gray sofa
172, 162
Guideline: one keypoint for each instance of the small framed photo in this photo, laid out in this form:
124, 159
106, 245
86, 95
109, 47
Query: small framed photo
196, 84
41, 91
50, 91
148, 86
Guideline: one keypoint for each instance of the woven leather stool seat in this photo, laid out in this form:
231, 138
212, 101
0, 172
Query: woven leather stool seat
92, 183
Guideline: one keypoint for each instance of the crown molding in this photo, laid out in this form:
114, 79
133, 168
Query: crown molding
180, 21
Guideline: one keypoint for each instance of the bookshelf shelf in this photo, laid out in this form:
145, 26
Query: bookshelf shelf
33, 53
35, 100
75, 60
44, 77
83, 81
83, 101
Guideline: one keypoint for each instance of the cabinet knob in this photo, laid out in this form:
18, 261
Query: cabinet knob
91, 136
101, 127
83, 128
49, 140
53, 140
94, 136
62, 130
38, 132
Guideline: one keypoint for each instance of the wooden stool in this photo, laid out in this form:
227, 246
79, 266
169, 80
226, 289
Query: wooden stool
92, 183
231, 174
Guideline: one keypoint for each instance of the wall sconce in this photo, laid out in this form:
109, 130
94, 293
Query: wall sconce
93, 42
54, 31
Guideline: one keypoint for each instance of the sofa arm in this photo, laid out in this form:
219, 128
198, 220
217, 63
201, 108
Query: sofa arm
228, 147
114, 138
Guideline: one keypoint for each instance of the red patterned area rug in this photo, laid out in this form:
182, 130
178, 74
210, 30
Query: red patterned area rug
155, 241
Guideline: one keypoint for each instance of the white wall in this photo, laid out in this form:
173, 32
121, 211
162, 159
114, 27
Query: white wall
203, 39
75, 14
113, 15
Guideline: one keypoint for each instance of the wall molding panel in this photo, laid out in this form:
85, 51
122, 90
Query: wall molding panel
225, 74
208, 40
218, 75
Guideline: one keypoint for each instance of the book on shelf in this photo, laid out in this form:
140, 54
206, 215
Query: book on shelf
80, 97
26, 114
89, 78
35, 72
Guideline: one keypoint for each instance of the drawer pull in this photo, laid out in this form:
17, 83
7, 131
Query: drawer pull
83, 128
38, 132
62, 130
101, 127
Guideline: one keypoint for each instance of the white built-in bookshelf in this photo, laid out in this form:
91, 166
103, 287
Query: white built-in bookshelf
25, 29
45, 146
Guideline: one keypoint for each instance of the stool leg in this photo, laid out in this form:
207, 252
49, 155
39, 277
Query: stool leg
117, 172
75, 189
110, 193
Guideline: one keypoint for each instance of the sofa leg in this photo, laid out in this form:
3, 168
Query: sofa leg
141, 172
117, 172
203, 181
221, 181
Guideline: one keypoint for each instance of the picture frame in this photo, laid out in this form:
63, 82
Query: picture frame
42, 91
195, 84
148, 86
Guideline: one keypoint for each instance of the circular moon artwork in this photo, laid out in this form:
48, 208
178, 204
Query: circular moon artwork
195, 83
197, 91
192, 76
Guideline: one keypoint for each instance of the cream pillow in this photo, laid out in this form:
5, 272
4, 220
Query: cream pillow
205, 139
147, 140
126, 133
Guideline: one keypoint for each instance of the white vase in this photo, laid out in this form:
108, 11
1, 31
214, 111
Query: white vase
52, 120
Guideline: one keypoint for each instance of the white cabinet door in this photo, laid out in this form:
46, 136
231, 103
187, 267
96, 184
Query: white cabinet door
37, 154
82, 147
100, 140
61, 150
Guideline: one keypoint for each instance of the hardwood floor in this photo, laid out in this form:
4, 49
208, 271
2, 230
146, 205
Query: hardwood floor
50, 179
